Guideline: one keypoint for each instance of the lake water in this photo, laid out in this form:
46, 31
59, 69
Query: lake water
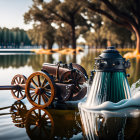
19, 119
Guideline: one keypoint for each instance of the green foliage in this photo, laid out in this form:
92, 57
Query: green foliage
66, 12
96, 21
42, 34
13, 37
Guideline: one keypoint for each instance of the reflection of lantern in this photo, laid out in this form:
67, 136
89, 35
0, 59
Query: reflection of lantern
110, 82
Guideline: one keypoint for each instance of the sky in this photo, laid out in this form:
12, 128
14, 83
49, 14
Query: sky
12, 11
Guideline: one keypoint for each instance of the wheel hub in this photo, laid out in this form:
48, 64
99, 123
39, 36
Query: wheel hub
39, 90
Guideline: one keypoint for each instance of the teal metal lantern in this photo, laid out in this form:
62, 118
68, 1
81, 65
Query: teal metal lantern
110, 80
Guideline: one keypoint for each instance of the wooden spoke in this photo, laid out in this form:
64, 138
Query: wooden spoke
35, 113
35, 97
47, 96
40, 128
38, 78
47, 90
33, 94
39, 99
19, 80
47, 85
34, 83
43, 86
19, 93
43, 98
44, 82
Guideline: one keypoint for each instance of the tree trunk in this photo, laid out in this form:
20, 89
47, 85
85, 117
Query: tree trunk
73, 37
43, 46
50, 44
138, 42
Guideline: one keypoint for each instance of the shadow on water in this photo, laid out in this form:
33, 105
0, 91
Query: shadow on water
42, 124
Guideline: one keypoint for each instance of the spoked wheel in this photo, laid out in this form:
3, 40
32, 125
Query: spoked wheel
19, 81
40, 89
18, 111
78, 79
39, 124
80, 68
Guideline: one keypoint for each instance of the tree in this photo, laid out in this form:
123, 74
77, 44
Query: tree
42, 34
125, 13
59, 12
62, 36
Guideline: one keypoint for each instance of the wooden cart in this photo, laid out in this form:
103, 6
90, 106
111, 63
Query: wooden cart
55, 82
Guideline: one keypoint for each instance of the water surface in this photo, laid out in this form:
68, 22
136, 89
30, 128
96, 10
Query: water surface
62, 124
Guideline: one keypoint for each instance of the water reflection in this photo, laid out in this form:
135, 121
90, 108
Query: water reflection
18, 113
52, 124
44, 124
120, 125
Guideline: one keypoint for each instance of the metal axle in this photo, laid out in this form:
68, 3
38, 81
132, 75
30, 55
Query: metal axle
12, 87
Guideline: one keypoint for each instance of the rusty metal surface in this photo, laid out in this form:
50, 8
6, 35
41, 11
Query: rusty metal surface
53, 70
80, 68
64, 91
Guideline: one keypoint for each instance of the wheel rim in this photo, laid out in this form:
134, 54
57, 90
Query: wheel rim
80, 68
19, 93
40, 89
39, 124
77, 79
18, 113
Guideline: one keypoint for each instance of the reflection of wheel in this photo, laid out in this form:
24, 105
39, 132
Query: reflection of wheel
40, 89
18, 93
77, 79
39, 124
80, 68
18, 111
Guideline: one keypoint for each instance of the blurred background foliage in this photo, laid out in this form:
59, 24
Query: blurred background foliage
69, 23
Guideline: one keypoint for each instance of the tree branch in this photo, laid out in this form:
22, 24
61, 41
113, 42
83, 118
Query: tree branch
124, 16
59, 16
118, 22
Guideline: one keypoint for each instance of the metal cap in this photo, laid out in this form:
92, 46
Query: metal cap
110, 60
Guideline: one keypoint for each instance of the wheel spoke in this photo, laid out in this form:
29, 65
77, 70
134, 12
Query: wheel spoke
47, 84
16, 81
21, 93
34, 83
35, 113
43, 98
47, 90
19, 80
18, 94
32, 89
22, 82
43, 116
44, 82
39, 99
39, 113
47, 96
33, 94
38, 78
35, 97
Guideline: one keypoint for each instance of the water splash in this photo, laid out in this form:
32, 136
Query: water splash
110, 125
134, 101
